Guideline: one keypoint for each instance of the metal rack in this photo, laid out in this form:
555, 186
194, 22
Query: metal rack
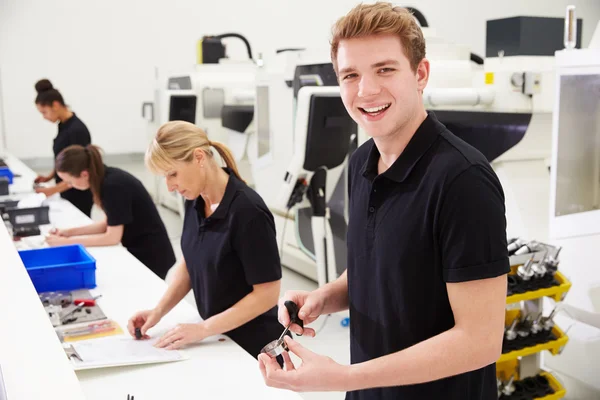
519, 370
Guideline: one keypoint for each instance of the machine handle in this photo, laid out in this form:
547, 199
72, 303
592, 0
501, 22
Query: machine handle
151, 104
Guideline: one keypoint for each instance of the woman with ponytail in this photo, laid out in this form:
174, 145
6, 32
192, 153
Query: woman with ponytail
131, 216
231, 260
71, 130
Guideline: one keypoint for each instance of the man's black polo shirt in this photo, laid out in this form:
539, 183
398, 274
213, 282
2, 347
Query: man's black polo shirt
229, 252
435, 216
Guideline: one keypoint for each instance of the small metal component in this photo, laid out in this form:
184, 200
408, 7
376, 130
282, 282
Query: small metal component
276, 347
570, 38
539, 268
524, 271
511, 333
547, 322
515, 244
536, 325
552, 261
524, 327
530, 247
138, 333
509, 388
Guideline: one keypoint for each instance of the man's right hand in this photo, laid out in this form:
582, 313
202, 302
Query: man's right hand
145, 320
311, 306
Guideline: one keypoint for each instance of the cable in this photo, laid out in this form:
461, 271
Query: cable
419, 16
242, 38
323, 324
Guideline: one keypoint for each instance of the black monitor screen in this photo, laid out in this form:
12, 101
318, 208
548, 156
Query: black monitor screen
330, 130
183, 108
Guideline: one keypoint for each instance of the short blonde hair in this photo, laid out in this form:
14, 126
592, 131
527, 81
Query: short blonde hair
380, 19
177, 140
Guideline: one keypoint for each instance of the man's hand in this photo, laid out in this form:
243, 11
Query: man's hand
181, 335
310, 306
317, 372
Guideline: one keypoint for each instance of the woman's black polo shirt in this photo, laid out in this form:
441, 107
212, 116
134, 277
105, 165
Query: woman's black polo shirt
227, 253
436, 215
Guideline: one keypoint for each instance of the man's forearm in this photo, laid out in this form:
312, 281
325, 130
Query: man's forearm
336, 295
450, 353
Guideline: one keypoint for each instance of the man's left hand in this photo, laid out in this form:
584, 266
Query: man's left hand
317, 373
181, 335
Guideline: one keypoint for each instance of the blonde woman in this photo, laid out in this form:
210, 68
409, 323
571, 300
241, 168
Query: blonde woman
231, 260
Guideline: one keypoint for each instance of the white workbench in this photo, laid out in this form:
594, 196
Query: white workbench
34, 364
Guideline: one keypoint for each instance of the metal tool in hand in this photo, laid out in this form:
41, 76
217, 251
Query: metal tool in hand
276, 347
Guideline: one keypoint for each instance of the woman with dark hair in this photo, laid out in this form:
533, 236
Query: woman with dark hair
71, 130
131, 216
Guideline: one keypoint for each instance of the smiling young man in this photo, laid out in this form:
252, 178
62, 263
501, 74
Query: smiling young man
427, 258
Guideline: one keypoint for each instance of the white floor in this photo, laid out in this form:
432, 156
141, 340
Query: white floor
332, 338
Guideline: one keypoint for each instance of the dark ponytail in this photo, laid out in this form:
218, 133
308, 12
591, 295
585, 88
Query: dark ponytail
227, 156
75, 159
47, 95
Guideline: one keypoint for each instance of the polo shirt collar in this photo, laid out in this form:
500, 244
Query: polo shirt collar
225, 204
421, 141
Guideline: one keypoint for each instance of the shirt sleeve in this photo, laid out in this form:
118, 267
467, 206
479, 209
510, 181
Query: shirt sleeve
255, 243
472, 227
117, 205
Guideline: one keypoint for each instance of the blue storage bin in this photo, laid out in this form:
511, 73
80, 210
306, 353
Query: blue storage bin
4, 171
60, 268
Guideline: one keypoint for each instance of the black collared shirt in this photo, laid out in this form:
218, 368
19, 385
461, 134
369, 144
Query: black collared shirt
228, 252
435, 216
126, 202
70, 132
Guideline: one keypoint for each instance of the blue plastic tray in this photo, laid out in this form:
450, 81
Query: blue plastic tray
60, 268
4, 171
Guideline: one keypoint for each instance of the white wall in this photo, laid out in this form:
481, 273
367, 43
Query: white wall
101, 55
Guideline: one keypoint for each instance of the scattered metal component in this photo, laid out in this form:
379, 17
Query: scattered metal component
511, 333
525, 271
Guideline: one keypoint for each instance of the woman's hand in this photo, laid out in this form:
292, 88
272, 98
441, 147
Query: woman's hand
55, 240
144, 320
181, 335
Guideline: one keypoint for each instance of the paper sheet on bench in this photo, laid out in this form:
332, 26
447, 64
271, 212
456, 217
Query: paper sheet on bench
120, 351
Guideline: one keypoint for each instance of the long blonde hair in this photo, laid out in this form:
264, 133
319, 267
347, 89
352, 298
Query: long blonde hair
177, 140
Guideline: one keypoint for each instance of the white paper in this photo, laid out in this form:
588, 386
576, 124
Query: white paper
32, 200
120, 350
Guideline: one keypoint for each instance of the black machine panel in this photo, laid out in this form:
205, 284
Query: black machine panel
527, 36
183, 108
237, 117
314, 75
330, 120
491, 133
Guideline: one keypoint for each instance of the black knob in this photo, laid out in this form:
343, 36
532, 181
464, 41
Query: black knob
293, 311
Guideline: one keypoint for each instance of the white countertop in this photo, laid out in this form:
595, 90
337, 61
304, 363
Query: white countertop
35, 366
